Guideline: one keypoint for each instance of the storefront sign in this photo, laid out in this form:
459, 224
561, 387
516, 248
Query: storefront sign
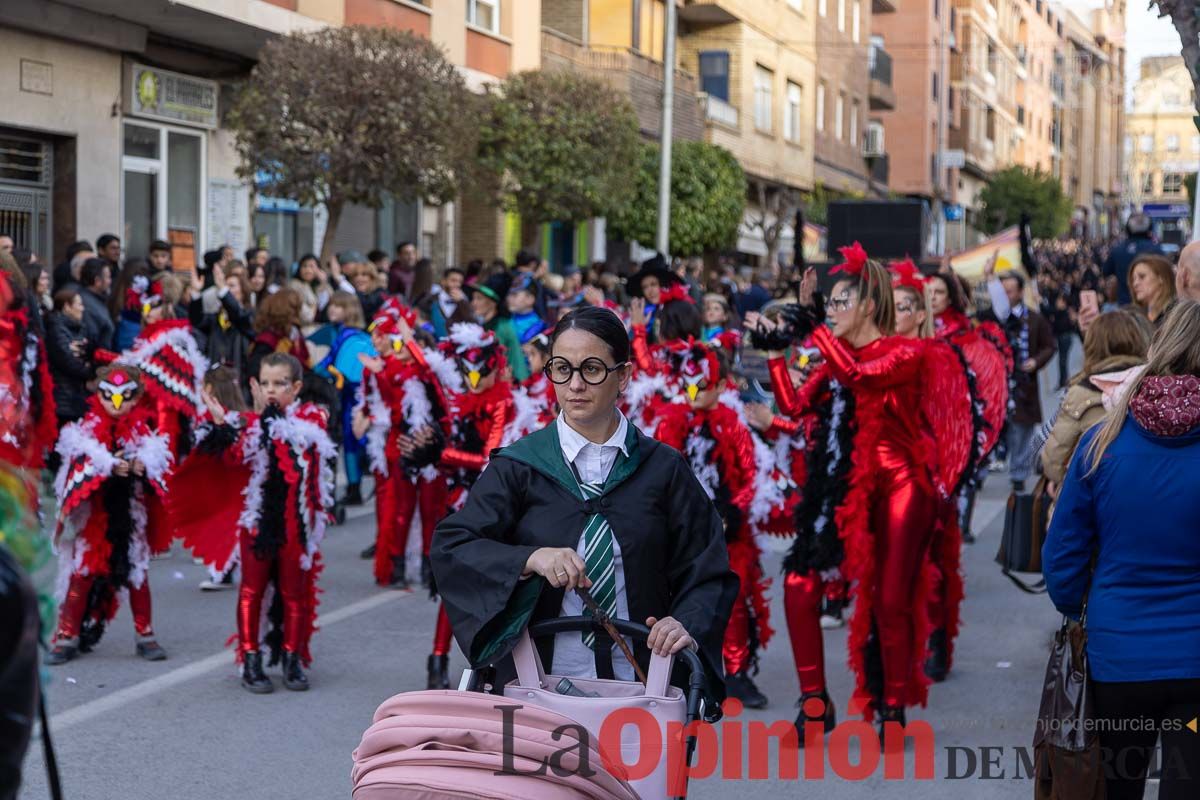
37, 77
1167, 210
170, 96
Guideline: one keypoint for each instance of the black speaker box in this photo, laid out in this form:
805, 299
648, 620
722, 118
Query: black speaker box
885, 228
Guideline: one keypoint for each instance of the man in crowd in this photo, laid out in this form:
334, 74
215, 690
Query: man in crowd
256, 256
6, 244
1187, 273
402, 270
159, 255
109, 248
1137, 242
96, 279
528, 262
67, 272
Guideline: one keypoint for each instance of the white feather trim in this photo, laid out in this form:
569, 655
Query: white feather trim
256, 458
182, 341
768, 495
446, 371
466, 335
139, 547
371, 399
77, 439
699, 450
154, 451
526, 417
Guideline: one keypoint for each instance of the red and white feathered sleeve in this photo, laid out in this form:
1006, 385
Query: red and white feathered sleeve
86, 463
153, 450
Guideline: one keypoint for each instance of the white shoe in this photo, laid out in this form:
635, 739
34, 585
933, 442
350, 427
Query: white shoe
830, 622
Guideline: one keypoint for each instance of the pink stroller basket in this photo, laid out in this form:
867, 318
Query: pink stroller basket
446, 744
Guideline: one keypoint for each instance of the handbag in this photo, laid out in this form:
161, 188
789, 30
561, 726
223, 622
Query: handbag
1026, 518
1066, 747
591, 701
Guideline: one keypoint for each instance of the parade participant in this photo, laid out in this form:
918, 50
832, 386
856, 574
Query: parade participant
985, 350
109, 488
654, 384
717, 445
269, 484
716, 315
29, 422
480, 417
521, 299
955, 418
655, 286
225, 385
875, 488
402, 396
587, 501
347, 341
171, 363
491, 311
535, 396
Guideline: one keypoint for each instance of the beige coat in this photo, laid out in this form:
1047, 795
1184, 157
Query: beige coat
1082, 407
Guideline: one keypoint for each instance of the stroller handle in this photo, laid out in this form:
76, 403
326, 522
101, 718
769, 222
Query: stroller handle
697, 683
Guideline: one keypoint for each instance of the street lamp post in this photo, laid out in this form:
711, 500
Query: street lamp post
668, 113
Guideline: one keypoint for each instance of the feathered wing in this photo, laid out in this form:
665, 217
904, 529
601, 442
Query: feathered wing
204, 499
991, 367
946, 406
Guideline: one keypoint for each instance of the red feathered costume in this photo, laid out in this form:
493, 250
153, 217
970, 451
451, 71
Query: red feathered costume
106, 530
261, 485
718, 445
404, 397
480, 422
28, 426
173, 368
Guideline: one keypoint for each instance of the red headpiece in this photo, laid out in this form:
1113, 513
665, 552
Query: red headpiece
143, 295
854, 259
728, 341
676, 291
475, 349
905, 273
119, 384
390, 313
696, 364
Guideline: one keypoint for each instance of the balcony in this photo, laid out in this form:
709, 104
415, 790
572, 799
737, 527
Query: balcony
878, 173
717, 110
882, 96
706, 12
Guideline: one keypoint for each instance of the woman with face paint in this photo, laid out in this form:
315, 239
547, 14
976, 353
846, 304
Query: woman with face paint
716, 442
881, 500
957, 421
111, 483
481, 418
402, 399
588, 501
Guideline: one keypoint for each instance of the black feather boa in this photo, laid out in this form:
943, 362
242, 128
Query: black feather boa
979, 426
825, 490
116, 494
272, 523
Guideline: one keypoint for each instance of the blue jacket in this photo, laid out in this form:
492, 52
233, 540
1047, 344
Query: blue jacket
1140, 511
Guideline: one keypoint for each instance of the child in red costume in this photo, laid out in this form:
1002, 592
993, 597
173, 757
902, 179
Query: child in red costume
28, 425
402, 397
718, 445
113, 476
537, 405
882, 500
481, 417
279, 458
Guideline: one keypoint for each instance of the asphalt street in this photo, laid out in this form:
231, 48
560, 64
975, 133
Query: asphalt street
126, 729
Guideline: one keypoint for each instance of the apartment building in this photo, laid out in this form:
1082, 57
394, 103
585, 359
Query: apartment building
1162, 146
116, 107
757, 68
1042, 72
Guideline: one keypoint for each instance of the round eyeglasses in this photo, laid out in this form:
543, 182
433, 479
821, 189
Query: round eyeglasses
593, 371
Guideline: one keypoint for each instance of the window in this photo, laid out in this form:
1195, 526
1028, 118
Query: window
1195, 145
763, 81
841, 14
950, 99
1146, 144
1172, 182
822, 7
163, 175
937, 8
935, 85
820, 107
1148, 183
1128, 145
839, 108
1020, 115
714, 73
855, 19
796, 4
791, 116
1173, 142
854, 123
484, 14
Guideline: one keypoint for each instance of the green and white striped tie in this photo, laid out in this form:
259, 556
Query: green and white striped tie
598, 558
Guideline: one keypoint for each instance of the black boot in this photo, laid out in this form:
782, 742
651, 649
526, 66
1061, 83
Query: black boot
368, 553
61, 653
937, 665
888, 714
438, 668
253, 679
293, 672
151, 651
353, 495
739, 685
426, 572
828, 715
399, 579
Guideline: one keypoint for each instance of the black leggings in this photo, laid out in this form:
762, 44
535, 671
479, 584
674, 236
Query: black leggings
1166, 707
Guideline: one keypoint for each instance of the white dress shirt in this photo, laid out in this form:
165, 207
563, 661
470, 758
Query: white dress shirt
594, 462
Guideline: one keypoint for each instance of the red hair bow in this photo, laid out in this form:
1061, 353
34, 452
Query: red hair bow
854, 259
676, 291
907, 274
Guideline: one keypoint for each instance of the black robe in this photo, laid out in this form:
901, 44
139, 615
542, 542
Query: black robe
671, 538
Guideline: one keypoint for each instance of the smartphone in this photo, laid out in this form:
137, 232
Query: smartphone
1088, 301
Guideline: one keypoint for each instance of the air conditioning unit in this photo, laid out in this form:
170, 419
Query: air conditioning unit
873, 140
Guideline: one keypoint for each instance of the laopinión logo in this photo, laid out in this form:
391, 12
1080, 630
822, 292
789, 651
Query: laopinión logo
741, 750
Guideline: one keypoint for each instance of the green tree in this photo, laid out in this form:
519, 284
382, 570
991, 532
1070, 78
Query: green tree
350, 115
1018, 190
708, 196
557, 145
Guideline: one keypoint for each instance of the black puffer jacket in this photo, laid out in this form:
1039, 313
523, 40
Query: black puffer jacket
70, 372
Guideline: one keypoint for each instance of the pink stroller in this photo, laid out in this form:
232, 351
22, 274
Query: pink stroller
542, 739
